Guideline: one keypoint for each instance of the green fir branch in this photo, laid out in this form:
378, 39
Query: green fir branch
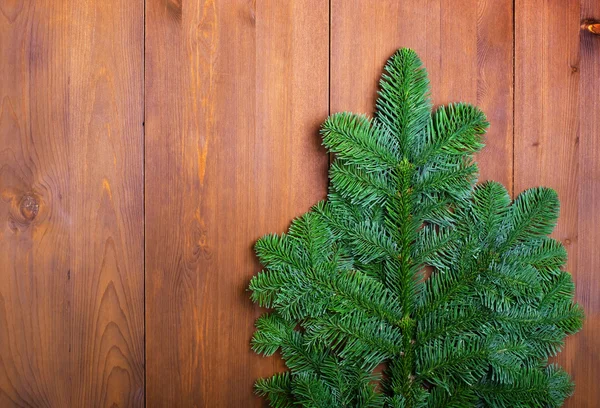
411, 286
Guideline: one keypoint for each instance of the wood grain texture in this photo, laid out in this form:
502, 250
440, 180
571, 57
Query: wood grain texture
71, 204
584, 349
235, 92
556, 145
465, 45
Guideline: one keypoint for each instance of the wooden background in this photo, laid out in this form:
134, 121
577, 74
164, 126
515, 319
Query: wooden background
144, 147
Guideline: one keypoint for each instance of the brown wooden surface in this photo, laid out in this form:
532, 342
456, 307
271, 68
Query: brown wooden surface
71, 204
235, 92
557, 134
583, 351
233, 95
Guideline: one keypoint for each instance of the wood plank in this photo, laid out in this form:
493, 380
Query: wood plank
584, 354
556, 146
71, 207
235, 94
466, 47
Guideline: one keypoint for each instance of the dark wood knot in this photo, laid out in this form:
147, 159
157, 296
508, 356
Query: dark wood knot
175, 9
593, 26
29, 207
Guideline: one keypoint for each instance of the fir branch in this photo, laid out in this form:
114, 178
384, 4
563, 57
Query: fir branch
454, 130
368, 341
449, 361
452, 177
358, 141
454, 322
532, 388
359, 186
277, 389
532, 215
311, 393
347, 284
490, 204
403, 106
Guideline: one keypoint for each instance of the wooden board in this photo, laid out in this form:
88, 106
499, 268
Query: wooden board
71, 204
556, 144
583, 349
235, 92
466, 47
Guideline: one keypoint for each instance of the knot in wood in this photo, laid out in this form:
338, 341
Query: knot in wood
29, 207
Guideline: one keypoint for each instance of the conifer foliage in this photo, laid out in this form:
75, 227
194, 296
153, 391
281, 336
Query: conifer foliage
409, 265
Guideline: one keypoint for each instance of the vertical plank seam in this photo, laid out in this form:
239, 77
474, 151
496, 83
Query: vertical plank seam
145, 404
514, 92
